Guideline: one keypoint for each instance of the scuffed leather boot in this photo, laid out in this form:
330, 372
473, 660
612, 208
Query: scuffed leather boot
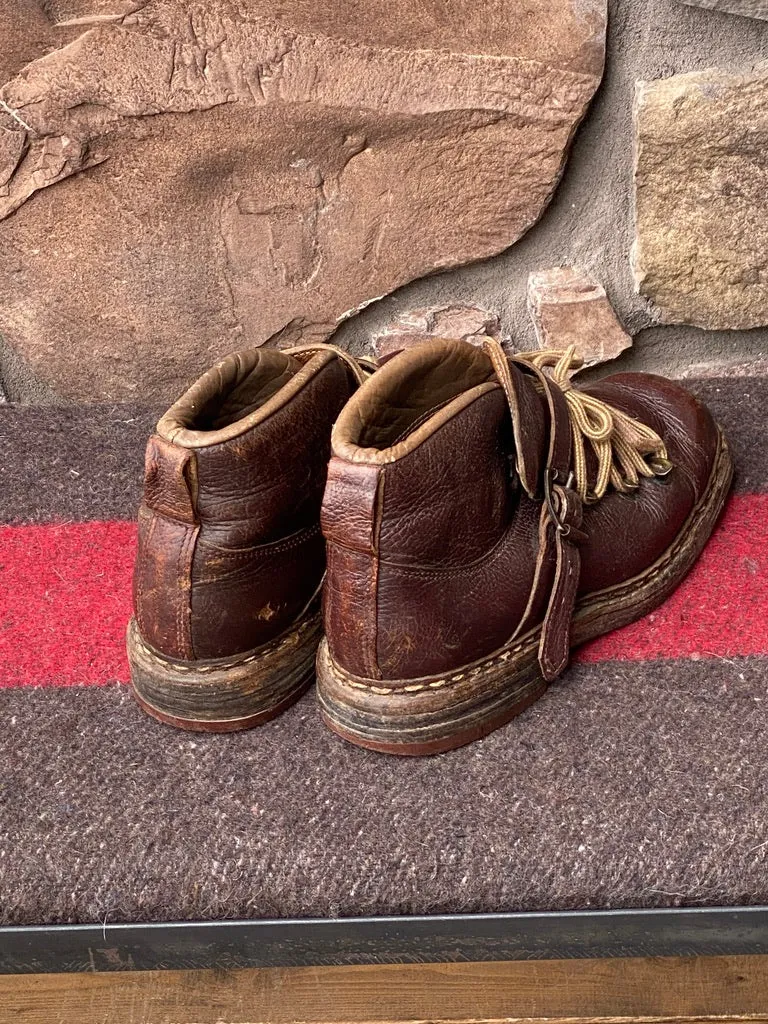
231, 559
482, 516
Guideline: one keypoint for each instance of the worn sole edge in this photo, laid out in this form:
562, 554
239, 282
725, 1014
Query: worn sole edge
200, 696
227, 724
513, 669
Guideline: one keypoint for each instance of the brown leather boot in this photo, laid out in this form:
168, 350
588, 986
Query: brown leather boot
231, 559
483, 516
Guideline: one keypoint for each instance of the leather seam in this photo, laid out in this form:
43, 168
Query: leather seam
428, 572
187, 552
274, 548
532, 641
169, 519
185, 561
140, 572
376, 569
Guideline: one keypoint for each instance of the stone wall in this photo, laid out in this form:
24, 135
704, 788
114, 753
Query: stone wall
179, 179
591, 221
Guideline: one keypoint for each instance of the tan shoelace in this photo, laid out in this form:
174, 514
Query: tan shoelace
625, 448
360, 366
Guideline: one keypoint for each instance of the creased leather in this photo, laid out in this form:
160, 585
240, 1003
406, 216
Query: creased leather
348, 514
229, 563
432, 618
628, 532
350, 609
350, 517
170, 480
455, 576
268, 482
168, 531
244, 597
420, 498
162, 582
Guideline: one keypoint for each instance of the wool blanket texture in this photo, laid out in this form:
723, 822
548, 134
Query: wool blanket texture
638, 780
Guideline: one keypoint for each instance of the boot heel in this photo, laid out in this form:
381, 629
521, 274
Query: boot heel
429, 715
226, 694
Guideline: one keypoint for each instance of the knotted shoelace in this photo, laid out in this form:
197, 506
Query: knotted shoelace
625, 448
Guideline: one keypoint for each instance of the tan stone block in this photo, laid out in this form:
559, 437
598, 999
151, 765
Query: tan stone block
701, 197
569, 307
465, 323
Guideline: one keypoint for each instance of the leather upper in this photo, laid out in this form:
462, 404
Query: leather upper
230, 550
440, 547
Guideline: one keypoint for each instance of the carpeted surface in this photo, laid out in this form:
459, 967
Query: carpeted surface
639, 780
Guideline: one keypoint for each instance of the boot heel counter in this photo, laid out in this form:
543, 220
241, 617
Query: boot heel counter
351, 520
168, 530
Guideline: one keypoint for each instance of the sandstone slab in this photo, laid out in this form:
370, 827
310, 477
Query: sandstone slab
569, 307
181, 179
746, 8
463, 323
701, 191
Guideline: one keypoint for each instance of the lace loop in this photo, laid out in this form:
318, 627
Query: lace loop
625, 448
361, 366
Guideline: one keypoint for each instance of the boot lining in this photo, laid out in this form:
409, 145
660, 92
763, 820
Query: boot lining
406, 392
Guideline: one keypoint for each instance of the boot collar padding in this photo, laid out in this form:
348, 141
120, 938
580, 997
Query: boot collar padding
237, 394
383, 420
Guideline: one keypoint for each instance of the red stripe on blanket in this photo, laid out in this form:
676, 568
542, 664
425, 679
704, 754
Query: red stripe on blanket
65, 599
721, 608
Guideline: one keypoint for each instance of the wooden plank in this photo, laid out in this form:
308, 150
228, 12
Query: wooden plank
663, 990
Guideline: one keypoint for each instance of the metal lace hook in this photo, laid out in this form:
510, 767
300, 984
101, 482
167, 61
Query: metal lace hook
550, 480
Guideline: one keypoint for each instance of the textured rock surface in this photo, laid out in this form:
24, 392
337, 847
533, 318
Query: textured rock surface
590, 221
26, 32
89, 12
569, 307
252, 172
701, 181
466, 323
746, 8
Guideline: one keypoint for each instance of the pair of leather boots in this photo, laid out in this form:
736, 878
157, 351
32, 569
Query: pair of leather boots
479, 516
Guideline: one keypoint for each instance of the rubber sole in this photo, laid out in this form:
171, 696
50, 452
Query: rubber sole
226, 694
433, 714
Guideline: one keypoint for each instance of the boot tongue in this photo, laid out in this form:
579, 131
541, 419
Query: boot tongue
271, 371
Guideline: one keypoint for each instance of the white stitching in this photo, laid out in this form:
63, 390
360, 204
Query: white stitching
269, 648
698, 513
